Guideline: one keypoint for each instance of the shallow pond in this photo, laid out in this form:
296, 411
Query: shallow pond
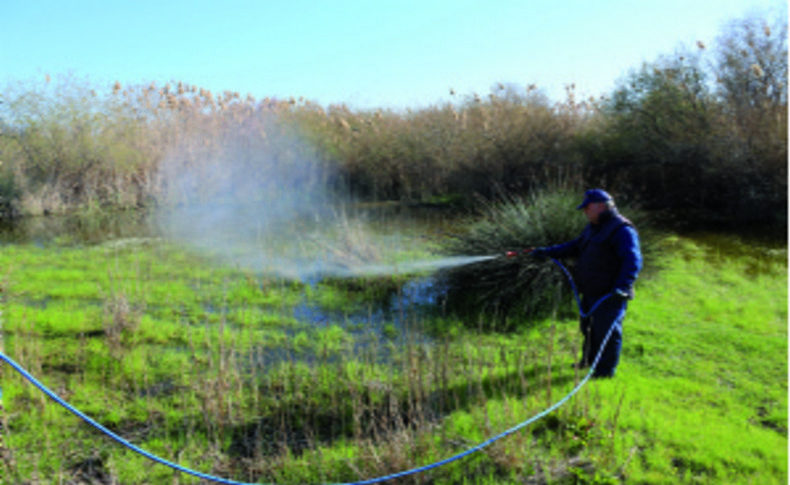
368, 243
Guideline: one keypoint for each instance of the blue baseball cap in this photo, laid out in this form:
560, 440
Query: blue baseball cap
594, 195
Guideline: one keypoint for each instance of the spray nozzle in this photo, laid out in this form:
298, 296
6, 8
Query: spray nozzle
513, 254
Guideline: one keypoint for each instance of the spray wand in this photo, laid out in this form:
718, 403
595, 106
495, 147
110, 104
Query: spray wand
513, 254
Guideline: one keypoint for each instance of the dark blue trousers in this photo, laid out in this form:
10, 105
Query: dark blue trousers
594, 329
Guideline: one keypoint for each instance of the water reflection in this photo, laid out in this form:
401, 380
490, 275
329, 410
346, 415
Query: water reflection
44, 231
246, 221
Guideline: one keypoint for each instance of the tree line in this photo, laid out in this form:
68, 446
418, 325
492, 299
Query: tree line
699, 135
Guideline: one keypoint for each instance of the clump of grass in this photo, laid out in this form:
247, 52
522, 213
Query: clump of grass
523, 284
120, 323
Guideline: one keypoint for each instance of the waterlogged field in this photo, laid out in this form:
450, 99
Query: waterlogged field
218, 367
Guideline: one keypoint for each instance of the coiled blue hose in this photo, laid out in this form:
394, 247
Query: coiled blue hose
413, 471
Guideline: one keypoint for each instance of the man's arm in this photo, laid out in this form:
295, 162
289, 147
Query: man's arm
564, 250
627, 248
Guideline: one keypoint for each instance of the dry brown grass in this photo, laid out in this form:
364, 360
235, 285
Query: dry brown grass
70, 145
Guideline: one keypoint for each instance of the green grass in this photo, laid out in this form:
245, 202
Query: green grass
207, 366
705, 360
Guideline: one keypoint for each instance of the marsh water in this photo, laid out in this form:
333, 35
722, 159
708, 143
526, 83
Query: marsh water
346, 242
358, 242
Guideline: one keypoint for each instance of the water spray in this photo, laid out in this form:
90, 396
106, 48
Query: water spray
428, 265
404, 268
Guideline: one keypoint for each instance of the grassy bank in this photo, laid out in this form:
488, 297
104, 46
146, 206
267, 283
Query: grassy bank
260, 379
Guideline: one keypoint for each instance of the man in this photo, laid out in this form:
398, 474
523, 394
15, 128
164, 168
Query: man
609, 260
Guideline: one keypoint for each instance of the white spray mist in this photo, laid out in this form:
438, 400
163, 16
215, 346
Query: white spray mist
258, 197
248, 192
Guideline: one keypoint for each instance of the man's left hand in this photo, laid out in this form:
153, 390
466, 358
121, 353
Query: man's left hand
621, 294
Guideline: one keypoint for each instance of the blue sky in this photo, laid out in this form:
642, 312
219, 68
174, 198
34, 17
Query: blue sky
368, 54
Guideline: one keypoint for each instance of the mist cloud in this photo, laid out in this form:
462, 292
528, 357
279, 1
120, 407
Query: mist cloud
255, 195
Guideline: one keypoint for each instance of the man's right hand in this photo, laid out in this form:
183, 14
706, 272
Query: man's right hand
513, 254
534, 252
538, 253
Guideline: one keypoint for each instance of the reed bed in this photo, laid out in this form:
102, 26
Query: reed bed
717, 157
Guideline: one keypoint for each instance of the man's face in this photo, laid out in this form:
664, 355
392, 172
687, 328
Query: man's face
593, 210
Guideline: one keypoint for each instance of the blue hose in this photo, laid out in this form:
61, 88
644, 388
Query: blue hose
413, 471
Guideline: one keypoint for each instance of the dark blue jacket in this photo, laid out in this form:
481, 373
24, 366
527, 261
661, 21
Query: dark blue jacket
609, 257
